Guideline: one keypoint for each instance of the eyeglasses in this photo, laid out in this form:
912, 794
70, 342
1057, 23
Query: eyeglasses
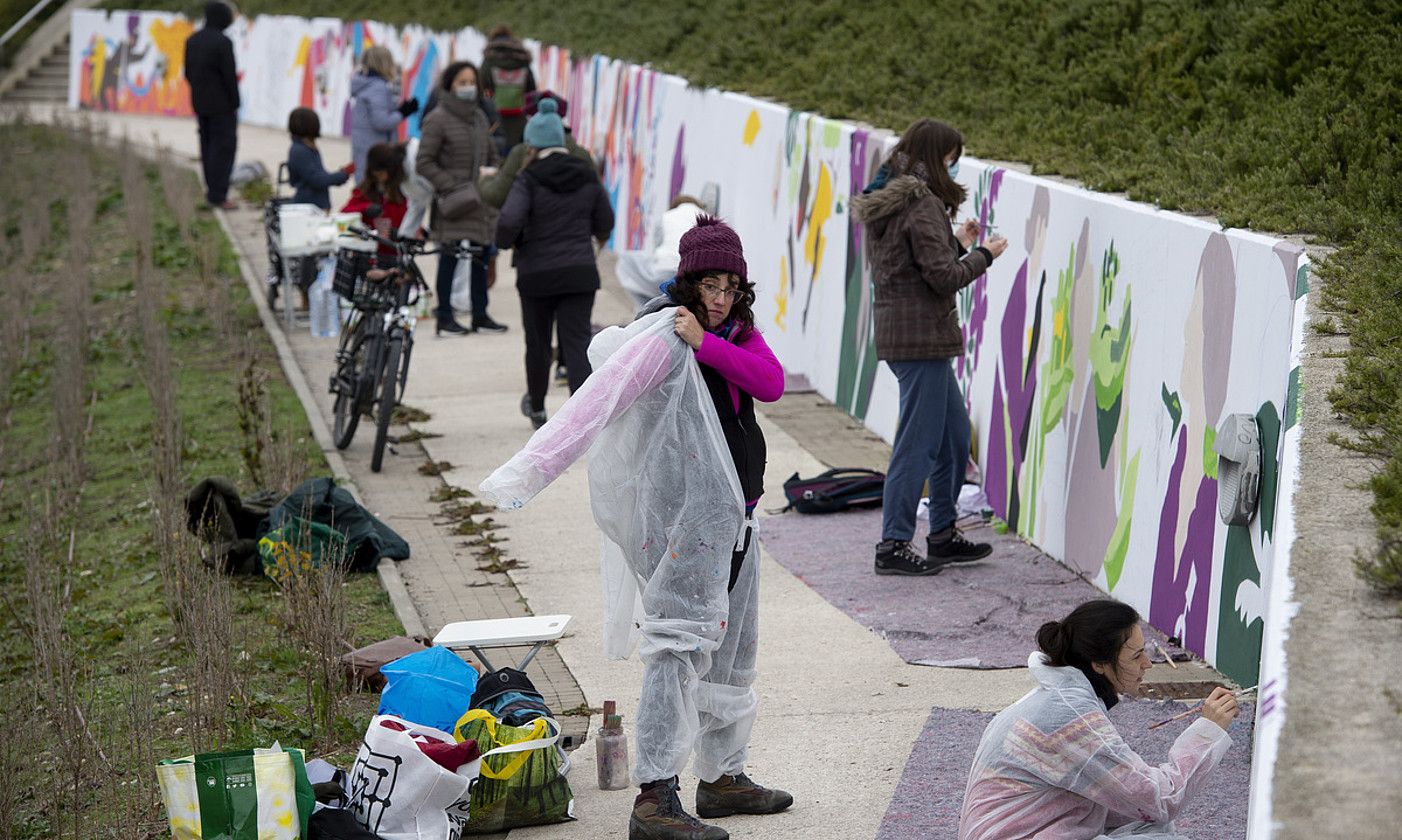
713, 291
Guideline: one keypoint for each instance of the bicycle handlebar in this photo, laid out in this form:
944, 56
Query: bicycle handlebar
415, 247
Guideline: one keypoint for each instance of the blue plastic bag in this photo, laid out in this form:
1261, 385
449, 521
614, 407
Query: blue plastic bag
432, 687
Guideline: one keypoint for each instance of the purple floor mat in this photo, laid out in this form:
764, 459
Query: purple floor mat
978, 615
931, 790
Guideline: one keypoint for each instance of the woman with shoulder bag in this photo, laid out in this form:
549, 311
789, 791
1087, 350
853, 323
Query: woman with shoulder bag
456, 144
919, 263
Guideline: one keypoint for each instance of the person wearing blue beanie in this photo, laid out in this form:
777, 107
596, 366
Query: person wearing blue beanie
555, 211
545, 130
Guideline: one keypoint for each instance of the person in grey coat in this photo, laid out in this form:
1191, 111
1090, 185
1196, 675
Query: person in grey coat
455, 145
555, 209
375, 116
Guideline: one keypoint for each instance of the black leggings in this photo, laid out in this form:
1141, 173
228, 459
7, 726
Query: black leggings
540, 316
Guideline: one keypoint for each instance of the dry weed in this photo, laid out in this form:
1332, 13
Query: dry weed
314, 607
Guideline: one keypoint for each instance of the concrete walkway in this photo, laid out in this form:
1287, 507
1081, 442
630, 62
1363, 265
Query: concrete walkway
839, 712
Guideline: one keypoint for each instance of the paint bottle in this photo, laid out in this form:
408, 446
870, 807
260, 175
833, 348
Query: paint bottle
611, 751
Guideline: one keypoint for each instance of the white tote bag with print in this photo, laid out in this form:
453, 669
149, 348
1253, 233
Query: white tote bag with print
399, 793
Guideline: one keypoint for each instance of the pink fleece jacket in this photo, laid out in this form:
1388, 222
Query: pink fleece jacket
747, 364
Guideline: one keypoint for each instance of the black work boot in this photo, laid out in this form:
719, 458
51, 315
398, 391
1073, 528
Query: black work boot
897, 557
738, 795
949, 546
658, 815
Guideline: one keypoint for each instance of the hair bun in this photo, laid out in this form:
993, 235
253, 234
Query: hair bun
547, 106
1051, 638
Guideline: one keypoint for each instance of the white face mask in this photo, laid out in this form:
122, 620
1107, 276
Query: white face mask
467, 92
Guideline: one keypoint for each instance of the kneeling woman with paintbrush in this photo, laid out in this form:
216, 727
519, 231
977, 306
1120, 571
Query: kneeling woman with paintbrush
1052, 766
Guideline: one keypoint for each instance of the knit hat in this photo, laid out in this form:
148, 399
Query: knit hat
712, 245
545, 130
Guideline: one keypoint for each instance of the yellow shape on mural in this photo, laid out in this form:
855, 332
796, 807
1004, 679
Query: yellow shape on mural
304, 55
752, 127
170, 42
781, 299
813, 246
99, 68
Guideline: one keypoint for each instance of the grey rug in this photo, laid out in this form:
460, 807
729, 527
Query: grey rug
931, 790
976, 615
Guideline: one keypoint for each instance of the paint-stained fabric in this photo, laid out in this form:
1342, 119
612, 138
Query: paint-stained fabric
668, 502
1053, 767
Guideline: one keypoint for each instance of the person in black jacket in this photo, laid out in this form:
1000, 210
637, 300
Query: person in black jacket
214, 96
555, 207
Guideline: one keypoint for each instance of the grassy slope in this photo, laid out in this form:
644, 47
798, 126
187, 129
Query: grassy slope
1281, 115
119, 617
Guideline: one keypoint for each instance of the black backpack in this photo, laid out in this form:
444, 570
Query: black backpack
837, 489
510, 696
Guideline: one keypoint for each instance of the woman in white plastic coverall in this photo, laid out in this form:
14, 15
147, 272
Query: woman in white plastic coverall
1052, 766
675, 470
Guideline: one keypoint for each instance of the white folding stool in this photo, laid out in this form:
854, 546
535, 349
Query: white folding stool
534, 630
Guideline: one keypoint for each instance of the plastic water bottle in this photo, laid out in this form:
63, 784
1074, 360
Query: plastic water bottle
323, 303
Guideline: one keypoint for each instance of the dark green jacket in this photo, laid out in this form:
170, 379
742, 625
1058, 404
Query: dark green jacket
495, 188
320, 500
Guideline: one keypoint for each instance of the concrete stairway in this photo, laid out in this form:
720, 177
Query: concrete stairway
48, 82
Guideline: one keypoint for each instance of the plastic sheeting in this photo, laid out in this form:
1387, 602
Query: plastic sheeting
667, 500
1053, 766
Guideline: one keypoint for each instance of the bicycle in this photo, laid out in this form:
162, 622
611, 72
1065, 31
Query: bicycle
377, 341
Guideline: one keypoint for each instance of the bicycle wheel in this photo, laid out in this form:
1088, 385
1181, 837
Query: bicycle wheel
385, 410
348, 383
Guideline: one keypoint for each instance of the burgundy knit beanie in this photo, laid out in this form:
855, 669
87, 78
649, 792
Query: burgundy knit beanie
533, 102
712, 245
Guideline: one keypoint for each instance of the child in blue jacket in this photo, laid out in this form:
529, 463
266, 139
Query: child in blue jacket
304, 168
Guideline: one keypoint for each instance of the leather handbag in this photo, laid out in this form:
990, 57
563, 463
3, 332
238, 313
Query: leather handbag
460, 201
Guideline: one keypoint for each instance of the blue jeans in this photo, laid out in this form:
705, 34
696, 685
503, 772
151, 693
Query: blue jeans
443, 287
932, 444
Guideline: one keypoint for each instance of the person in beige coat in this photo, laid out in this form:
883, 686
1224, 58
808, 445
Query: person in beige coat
455, 146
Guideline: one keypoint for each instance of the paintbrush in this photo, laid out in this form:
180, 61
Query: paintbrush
1164, 653
1241, 692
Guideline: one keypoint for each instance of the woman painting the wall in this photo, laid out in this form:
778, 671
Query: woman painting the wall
1052, 766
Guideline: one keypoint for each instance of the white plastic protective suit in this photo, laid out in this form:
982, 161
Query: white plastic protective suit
666, 496
1053, 767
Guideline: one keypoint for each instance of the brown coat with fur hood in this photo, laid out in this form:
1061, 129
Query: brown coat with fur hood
917, 268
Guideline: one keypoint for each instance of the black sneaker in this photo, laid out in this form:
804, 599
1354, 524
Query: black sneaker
537, 418
949, 546
487, 325
450, 327
562, 376
897, 557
